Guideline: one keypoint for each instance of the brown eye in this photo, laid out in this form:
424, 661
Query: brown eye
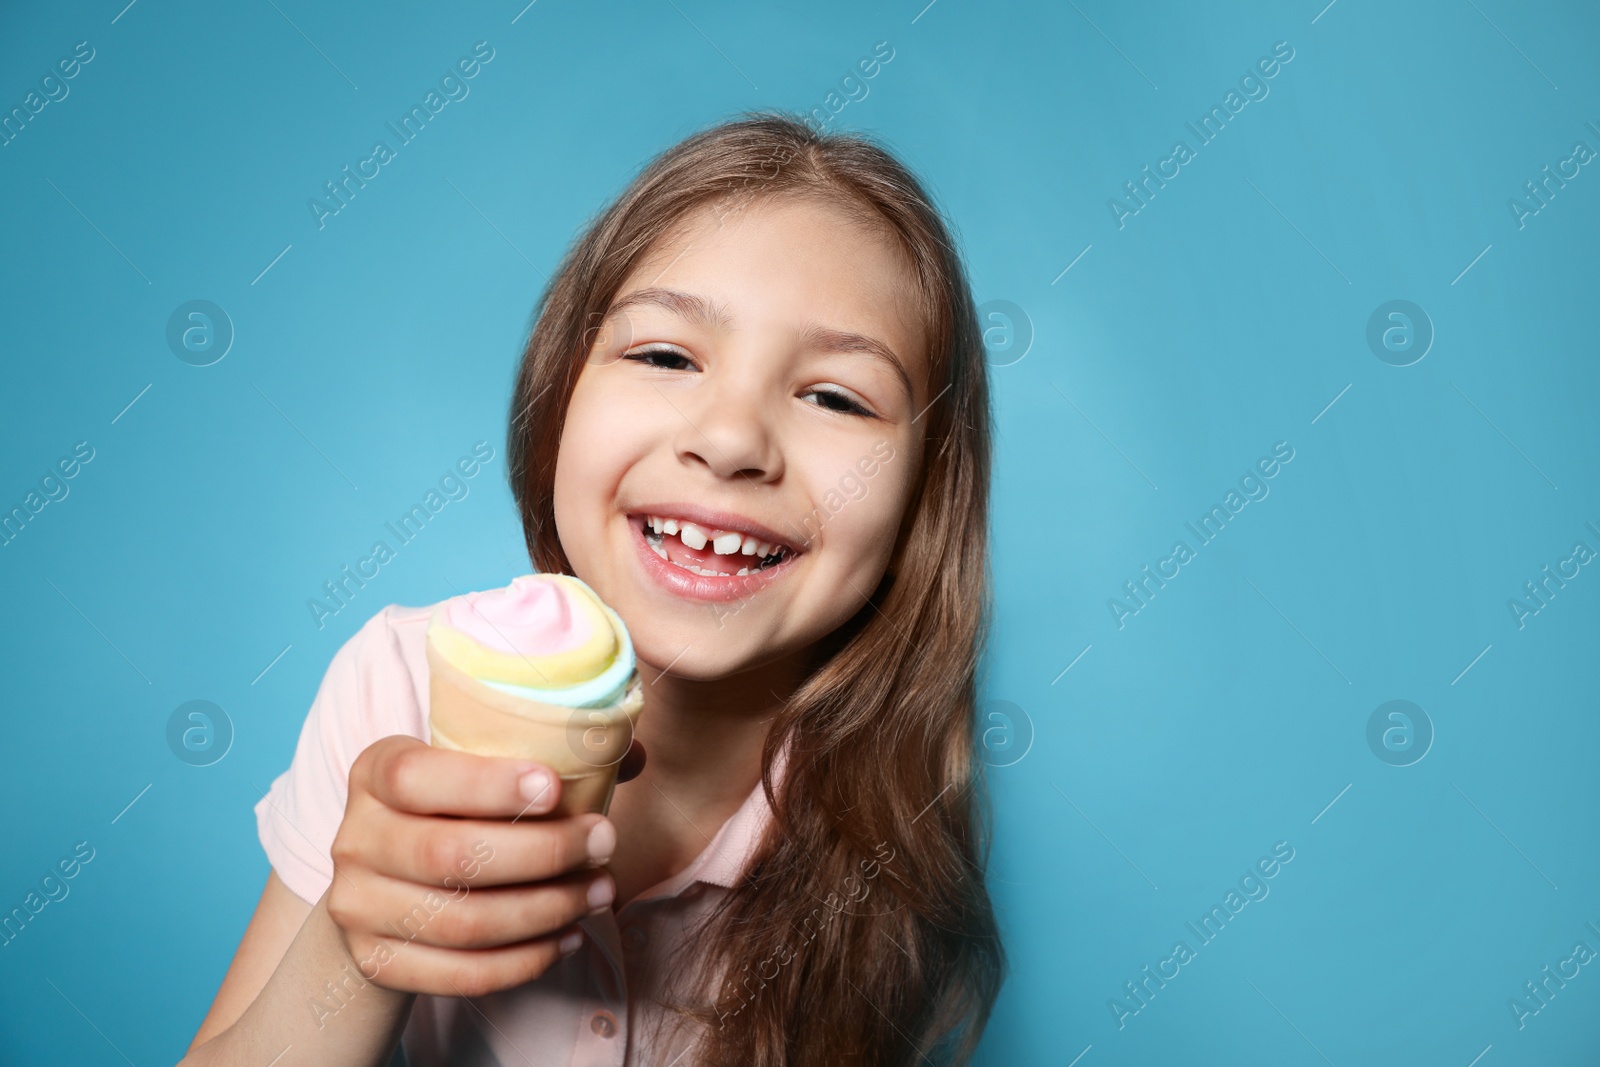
670, 358
834, 400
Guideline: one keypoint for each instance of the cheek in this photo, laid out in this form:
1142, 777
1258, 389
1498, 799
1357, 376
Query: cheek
860, 535
592, 437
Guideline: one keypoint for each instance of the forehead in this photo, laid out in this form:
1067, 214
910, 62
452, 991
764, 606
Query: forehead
793, 261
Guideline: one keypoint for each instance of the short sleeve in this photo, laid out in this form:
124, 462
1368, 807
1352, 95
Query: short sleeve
375, 686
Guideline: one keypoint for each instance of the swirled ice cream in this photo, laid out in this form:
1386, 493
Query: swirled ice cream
541, 669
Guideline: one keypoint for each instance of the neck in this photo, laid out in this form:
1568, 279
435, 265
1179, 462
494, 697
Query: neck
703, 739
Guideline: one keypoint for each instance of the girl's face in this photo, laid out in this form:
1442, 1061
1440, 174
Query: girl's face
753, 393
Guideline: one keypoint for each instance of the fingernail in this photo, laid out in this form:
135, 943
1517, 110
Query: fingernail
537, 789
602, 841
601, 893
570, 943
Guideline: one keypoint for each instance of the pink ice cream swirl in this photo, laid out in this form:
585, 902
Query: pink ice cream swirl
529, 617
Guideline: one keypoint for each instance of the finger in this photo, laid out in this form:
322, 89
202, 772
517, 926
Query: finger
632, 762
463, 917
427, 849
444, 972
407, 775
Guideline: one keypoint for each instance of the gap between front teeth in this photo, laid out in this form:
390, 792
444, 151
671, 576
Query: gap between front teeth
724, 544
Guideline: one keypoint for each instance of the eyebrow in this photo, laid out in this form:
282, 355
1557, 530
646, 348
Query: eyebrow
711, 315
696, 309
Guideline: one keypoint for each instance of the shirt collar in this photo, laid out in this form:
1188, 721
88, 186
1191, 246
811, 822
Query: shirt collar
723, 861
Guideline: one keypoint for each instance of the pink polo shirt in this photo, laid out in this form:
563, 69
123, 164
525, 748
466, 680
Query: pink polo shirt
598, 1006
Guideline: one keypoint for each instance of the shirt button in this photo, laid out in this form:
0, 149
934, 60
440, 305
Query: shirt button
604, 1024
635, 938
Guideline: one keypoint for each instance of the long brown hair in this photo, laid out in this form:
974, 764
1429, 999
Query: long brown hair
882, 780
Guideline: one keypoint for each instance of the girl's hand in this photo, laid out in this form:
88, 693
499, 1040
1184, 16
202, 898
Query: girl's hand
446, 883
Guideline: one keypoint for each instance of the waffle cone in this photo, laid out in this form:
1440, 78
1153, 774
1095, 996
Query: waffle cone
584, 746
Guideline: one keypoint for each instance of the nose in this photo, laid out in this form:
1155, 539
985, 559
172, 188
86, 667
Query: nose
727, 426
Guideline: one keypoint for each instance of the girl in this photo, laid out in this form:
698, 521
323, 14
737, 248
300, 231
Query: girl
767, 343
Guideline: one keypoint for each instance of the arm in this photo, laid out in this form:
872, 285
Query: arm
274, 996
278, 917
439, 887
357, 1023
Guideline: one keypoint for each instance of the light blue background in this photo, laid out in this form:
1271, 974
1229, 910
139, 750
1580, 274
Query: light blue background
1224, 317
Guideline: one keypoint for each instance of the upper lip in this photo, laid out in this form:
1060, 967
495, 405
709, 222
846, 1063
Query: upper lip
713, 519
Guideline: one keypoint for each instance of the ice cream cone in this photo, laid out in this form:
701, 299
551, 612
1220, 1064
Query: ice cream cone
583, 745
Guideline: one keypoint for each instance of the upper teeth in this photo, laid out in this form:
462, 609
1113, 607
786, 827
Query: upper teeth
722, 542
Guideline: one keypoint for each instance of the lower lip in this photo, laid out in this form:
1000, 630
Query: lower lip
674, 579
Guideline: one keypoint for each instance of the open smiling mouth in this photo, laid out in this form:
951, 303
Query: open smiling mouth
711, 552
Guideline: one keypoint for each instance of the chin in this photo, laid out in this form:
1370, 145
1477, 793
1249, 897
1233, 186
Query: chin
709, 656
